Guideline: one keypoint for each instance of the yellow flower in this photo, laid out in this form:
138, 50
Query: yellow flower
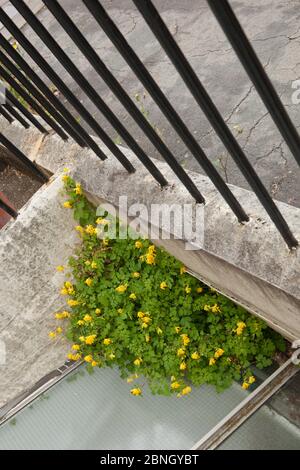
163, 285
136, 274
67, 205
76, 347
87, 318
105, 241
79, 229
98, 311
219, 352
80, 322
140, 314
132, 296
120, 310
147, 338
88, 358
87, 263
145, 325
215, 308
175, 385
182, 366
112, 356
147, 319
78, 189
245, 385
60, 268
68, 285
58, 316
90, 339
94, 363
122, 288
138, 244
59, 330
150, 258
72, 302
100, 221
89, 281
185, 339
82, 339
65, 178
182, 269
71, 291
159, 330
212, 361
206, 308
186, 390
91, 230
151, 249
94, 265
62, 315
52, 334
251, 379
136, 391
64, 291
199, 290
137, 362
180, 352
177, 329
66, 170
74, 357
240, 327
195, 355
173, 378
107, 341
188, 289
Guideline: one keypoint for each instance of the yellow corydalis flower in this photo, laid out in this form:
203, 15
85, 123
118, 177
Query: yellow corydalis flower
88, 281
136, 391
181, 352
138, 244
175, 385
88, 358
245, 385
186, 390
122, 288
182, 269
188, 289
80, 322
67, 205
90, 339
59, 330
87, 318
94, 265
76, 347
52, 334
60, 268
62, 315
107, 341
240, 327
150, 258
185, 339
199, 290
212, 361
219, 352
79, 229
215, 308
147, 338
78, 189
141, 314
136, 274
195, 355
177, 329
91, 230
73, 303
74, 357
137, 362
159, 331
132, 296
163, 285
98, 311
182, 366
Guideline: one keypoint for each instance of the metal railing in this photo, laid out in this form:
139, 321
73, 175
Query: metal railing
27, 83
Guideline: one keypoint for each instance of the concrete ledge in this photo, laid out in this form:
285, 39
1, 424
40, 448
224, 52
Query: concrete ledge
249, 263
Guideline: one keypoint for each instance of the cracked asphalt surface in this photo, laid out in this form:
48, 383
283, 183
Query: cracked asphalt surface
274, 31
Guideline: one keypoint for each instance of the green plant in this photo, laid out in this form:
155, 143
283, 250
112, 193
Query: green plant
132, 305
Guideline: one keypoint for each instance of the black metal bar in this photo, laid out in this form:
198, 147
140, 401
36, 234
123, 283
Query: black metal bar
113, 84
10, 107
70, 123
15, 102
95, 98
247, 56
6, 115
163, 35
9, 210
23, 93
165, 106
91, 92
42, 32
51, 74
23, 159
